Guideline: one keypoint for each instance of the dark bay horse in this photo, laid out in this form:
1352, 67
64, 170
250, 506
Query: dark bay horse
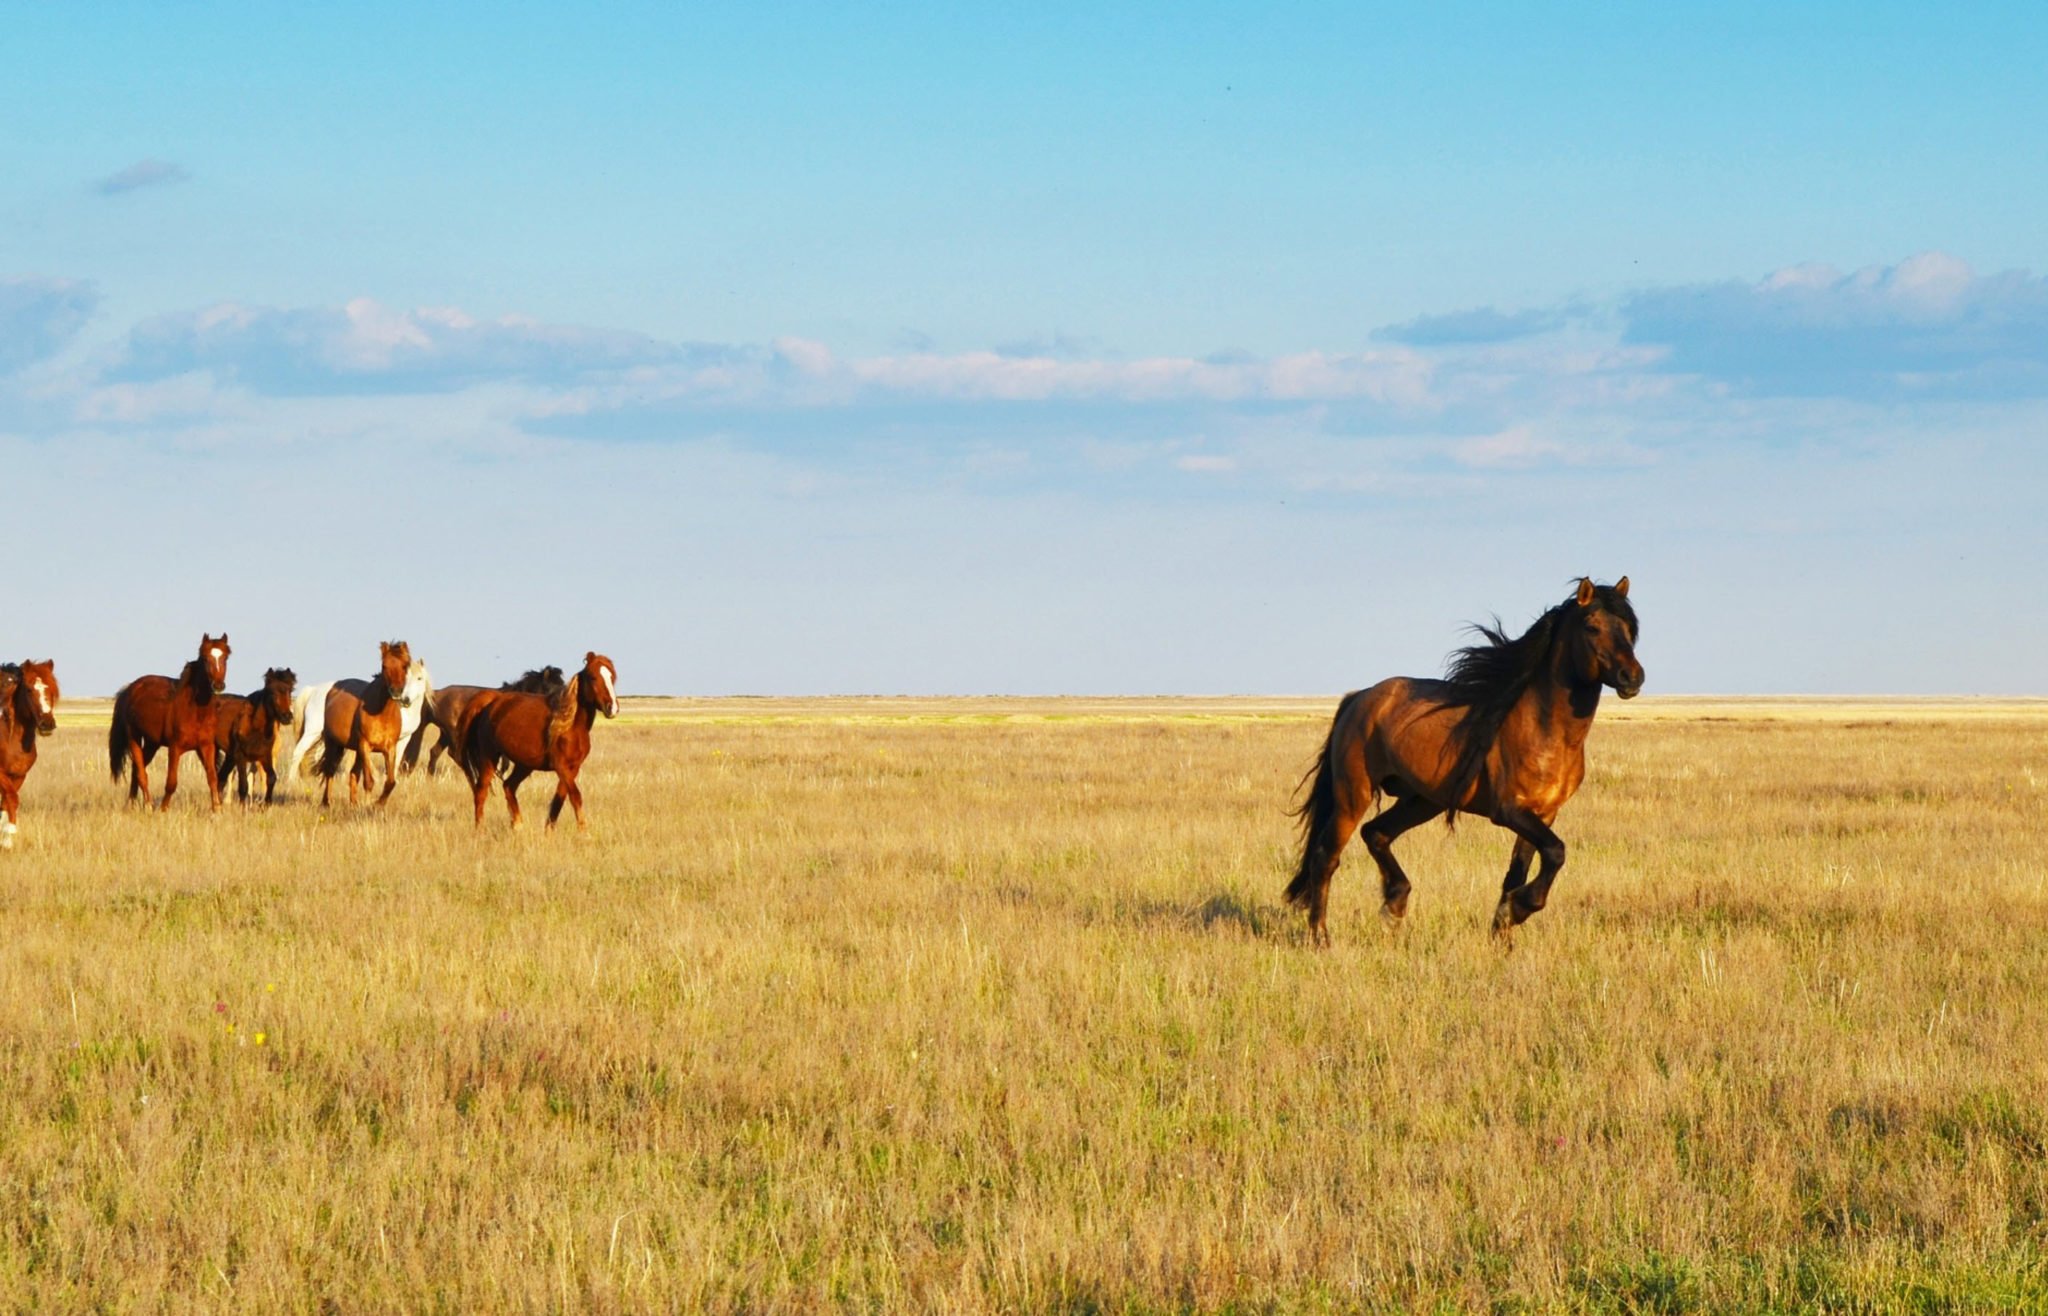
153, 712
28, 709
245, 731
1503, 736
537, 734
368, 719
446, 705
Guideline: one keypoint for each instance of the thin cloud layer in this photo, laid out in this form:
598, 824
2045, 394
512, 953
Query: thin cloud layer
38, 316
141, 174
366, 347
1929, 325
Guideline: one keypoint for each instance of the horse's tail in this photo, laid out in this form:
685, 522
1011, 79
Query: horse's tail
467, 748
117, 736
309, 708
1318, 813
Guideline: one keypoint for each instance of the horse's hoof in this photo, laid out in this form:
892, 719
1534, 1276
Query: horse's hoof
1391, 919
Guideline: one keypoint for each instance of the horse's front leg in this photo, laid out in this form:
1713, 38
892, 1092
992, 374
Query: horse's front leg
565, 791
211, 768
390, 776
10, 806
1526, 898
512, 782
269, 781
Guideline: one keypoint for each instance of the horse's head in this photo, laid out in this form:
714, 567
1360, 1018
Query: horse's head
1604, 649
213, 660
601, 683
395, 664
38, 691
279, 684
419, 683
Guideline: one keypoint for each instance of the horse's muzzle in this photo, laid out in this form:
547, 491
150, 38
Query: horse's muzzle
46, 726
1629, 691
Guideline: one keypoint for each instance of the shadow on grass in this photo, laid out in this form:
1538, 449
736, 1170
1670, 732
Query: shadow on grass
1227, 912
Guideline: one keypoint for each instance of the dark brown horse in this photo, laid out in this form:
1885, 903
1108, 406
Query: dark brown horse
369, 720
153, 712
245, 731
1503, 736
537, 734
28, 709
445, 706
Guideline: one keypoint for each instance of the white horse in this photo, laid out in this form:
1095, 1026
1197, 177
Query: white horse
309, 710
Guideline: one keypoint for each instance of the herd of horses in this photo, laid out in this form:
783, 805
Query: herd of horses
539, 723
1501, 736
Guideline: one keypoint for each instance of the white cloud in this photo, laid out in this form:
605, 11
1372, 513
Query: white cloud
365, 346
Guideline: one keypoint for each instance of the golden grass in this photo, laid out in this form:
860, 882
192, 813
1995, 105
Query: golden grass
992, 1006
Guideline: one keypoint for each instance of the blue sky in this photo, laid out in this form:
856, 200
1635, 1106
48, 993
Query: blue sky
1062, 350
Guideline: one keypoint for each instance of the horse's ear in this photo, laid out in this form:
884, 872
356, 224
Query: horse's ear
1585, 591
589, 657
1621, 587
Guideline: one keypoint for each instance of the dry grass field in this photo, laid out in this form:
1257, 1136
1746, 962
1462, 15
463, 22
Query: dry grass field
992, 1006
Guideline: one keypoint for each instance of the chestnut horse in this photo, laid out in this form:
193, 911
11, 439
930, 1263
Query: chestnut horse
309, 709
28, 708
1503, 736
368, 721
537, 734
245, 731
155, 711
444, 708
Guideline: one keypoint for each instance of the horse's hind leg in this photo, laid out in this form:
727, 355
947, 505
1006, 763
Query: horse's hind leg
1329, 830
138, 773
1379, 837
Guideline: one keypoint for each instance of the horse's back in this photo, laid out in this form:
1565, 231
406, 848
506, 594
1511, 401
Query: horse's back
515, 723
1402, 728
143, 705
229, 714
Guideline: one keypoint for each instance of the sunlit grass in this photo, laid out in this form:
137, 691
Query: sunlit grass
967, 1005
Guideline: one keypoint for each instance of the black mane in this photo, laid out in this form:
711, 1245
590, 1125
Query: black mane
1486, 679
546, 681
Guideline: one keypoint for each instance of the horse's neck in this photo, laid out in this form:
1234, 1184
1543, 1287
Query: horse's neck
1564, 701
193, 678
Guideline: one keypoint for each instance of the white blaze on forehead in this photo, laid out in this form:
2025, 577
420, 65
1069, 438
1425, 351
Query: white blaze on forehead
604, 674
215, 651
42, 694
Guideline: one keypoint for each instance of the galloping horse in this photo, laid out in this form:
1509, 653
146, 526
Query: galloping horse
28, 708
309, 709
444, 709
156, 711
537, 734
1503, 736
369, 722
245, 731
